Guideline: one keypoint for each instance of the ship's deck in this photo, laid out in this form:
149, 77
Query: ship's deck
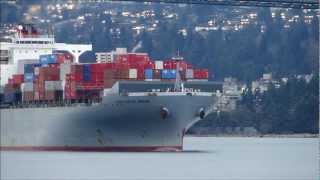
171, 94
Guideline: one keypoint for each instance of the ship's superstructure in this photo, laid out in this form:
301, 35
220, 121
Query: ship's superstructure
124, 102
29, 43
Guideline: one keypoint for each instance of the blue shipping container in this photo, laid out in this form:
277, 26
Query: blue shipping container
48, 59
165, 74
173, 74
148, 74
1, 98
29, 68
86, 72
168, 74
28, 77
12, 97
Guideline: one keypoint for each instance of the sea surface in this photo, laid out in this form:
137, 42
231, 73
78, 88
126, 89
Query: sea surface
202, 158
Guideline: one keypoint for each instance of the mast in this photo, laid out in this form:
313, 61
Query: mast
178, 86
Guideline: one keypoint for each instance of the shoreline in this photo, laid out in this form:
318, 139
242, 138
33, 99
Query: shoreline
257, 136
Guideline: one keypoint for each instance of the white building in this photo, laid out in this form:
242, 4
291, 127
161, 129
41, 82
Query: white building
263, 84
231, 93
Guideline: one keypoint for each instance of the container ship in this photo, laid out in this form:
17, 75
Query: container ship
122, 102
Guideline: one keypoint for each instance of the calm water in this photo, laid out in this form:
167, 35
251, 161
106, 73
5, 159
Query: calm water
203, 158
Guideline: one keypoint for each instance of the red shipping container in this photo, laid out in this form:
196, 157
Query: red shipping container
97, 77
54, 65
200, 74
41, 95
74, 95
49, 74
167, 64
140, 74
90, 86
121, 73
138, 59
28, 96
36, 96
109, 65
49, 95
39, 89
121, 66
97, 71
172, 64
72, 77
189, 66
70, 90
109, 74
123, 58
149, 65
183, 75
133, 59
205, 73
10, 81
53, 95
196, 73
108, 83
60, 58
183, 65
156, 74
109, 78
35, 85
40, 85
18, 78
88, 94
136, 66
73, 86
97, 67
77, 72
12, 87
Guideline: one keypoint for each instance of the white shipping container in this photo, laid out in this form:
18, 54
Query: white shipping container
22, 62
133, 74
159, 65
152, 80
27, 86
63, 84
189, 74
64, 70
53, 85
36, 70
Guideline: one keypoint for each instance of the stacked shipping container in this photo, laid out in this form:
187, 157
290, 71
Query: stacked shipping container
54, 78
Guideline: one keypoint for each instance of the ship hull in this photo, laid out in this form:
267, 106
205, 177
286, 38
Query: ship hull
119, 123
